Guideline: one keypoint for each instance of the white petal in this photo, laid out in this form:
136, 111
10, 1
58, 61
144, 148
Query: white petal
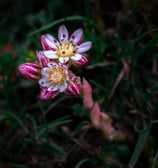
63, 33
53, 88
51, 39
64, 67
62, 87
84, 47
63, 59
43, 82
45, 71
50, 43
76, 36
67, 77
52, 64
50, 54
76, 57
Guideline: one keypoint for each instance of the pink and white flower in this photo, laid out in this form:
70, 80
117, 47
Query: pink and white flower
67, 48
52, 77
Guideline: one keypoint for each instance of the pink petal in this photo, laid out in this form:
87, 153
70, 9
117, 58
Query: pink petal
84, 47
48, 42
30, 71
73, 89
81, 62
63, 33
42, 60
76, 36
46, 95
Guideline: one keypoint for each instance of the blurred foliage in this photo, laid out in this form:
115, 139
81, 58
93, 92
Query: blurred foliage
123, 72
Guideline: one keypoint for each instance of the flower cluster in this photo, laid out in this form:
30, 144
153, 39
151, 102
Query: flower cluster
52, 68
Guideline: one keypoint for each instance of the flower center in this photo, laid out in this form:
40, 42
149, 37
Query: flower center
57, 76
65, 49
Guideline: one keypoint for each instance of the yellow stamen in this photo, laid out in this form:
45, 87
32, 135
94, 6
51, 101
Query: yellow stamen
66, 49
57, 76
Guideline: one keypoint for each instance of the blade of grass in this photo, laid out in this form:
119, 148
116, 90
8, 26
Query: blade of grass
100, 86
140, 144
80, 163
13, 165
155, 160
69, 18
138, 149
48, 148
53, 149
143, 35
44, 119
102, 156
41, 129
14, 124
131, 13
50, 126
17, 119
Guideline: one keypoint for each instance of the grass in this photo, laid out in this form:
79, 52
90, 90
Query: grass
122, 71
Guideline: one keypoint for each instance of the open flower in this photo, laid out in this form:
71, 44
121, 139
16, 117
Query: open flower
67, 48
53, 77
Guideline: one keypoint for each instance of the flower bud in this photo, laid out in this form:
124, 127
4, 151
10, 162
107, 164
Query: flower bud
42, 60
46, 95
48, 42
73, 88
81, 62
30, 71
